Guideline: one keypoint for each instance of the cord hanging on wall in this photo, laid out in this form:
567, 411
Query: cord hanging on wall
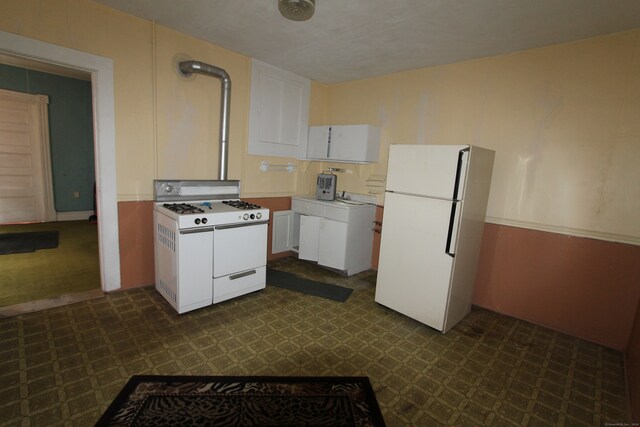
265, 166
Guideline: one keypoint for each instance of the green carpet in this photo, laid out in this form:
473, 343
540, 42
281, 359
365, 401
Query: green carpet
71, 267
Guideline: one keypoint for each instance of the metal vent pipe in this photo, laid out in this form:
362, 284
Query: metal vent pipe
190, 67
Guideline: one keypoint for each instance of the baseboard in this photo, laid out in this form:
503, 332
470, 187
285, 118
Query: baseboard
73, 216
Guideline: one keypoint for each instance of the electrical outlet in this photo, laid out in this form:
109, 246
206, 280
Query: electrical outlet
76, 194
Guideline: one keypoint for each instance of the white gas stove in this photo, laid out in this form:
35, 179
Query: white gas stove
210, 246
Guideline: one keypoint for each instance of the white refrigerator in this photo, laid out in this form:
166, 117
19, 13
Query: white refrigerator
435, 204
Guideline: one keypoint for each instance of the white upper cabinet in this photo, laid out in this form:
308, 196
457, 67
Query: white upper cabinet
345, 143
278, 112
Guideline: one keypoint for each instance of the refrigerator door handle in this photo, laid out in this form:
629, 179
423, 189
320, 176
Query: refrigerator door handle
453, 231
460, 172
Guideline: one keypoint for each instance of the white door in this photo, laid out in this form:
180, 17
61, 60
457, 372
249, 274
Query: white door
309, 237
194, 254
26, 193
318, 144
238, 248
428, 170
414, 271
279, 112
348, 142
332, 245
282, 233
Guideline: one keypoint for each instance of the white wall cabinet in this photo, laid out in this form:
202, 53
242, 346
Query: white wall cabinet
344, 143
278, 112
334, 234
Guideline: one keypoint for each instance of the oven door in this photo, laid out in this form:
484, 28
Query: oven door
239, 247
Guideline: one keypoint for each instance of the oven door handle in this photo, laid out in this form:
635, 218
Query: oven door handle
196, 230
226, 227
243, 274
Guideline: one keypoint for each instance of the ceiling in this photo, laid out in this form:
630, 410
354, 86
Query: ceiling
355, 39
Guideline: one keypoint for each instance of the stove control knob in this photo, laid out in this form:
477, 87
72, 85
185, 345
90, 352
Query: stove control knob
258, 215
204, 220
245, 217
197, 221
252, 216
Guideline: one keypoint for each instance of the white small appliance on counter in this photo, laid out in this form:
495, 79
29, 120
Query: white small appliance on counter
435, 203
326, 185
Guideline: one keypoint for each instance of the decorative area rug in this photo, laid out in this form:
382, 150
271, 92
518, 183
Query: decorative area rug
17, 243
290, 281
244, 401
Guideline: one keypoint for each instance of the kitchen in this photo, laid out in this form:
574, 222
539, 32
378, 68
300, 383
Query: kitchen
580, 91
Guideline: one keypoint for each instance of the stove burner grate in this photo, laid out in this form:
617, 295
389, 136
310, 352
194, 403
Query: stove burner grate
239, 204
182, 208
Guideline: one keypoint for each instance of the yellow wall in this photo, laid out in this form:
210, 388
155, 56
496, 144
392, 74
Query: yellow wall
564, 121
91, 28
166, 126
188, 110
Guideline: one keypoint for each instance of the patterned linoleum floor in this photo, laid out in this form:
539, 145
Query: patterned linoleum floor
65, 365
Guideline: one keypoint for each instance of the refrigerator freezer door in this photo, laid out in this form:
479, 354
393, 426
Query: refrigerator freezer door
414, 271
428, 170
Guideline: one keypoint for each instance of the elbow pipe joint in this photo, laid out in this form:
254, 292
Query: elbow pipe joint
195, 67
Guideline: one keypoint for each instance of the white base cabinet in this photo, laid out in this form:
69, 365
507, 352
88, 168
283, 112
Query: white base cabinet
334, 234
324, 241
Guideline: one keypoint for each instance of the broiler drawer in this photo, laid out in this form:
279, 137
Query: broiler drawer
234, 285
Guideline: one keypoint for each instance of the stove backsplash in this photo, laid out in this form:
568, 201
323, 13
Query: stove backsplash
195, 189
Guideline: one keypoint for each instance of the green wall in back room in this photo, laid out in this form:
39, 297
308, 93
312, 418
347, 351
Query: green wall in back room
70, 132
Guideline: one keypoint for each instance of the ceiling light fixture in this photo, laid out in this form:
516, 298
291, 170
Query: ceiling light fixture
297, 10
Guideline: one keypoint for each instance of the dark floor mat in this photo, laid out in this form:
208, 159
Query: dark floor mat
15, 243
292, 282
157, 400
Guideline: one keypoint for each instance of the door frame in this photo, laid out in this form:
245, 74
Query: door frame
101, 70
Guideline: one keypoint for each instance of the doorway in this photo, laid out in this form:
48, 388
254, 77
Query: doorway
36, 211
101, 70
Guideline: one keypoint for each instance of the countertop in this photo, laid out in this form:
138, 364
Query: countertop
337, 202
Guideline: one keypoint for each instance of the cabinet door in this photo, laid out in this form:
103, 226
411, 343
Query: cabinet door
356, 143
318, 142
278, 112
332, 245
195, 270
282, 238
309, 237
